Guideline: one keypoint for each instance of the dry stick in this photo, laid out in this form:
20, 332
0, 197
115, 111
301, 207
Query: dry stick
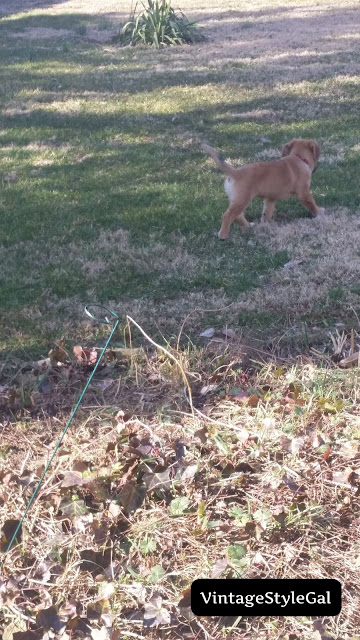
158, 346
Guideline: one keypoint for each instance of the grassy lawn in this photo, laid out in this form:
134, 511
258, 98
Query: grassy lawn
106, 197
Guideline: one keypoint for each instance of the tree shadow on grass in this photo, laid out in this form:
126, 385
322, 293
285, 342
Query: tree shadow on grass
12, 7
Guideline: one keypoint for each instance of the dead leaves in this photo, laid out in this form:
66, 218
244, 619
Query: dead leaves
7, 532
85, 356
155, 614
38, 383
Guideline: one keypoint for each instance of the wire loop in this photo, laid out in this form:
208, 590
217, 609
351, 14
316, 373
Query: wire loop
105, 319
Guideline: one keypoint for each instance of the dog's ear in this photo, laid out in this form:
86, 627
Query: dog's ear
315, 149
287, 148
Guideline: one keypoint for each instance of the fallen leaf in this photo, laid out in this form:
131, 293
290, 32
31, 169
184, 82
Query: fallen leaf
327, 452
94, 561
342, 477
158, 480
155, 614
292, 263
185, 599
49, 619
69, 609
201, 434
132, 496
229, 333
106, 592
186, 474
258, 559
113, 510
253, 401
72, 479
279, 515
349, 450
291, 484
219, 567
317, 441
350, 361
208, 333
83, 355
207, 388
7, 532
292, 445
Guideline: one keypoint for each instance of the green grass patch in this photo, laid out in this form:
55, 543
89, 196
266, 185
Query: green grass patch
106, 141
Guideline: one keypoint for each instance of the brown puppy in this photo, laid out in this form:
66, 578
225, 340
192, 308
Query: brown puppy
273, 180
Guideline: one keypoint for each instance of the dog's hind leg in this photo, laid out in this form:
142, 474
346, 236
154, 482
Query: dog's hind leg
235, 213
268, 210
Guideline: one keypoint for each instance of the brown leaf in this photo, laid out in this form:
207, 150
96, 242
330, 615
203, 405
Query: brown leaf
253, 401
72, 479
350, 449
342, 477
350, 361
327, 453
113, 510
201, 434
8, 530
80, 466
186, 598
80, 625
219, 567
229, 333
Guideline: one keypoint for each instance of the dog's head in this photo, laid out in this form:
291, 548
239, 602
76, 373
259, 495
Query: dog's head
307, 149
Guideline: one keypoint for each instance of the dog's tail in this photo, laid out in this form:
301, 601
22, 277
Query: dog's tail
224, 166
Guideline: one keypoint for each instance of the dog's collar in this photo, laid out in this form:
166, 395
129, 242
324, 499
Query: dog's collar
301, 158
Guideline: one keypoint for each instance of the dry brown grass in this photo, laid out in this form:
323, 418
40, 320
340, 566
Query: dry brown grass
289, 461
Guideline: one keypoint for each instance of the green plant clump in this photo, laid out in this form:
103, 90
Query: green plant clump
157, 26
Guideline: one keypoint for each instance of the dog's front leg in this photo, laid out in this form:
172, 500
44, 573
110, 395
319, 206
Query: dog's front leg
234, 213
309, 202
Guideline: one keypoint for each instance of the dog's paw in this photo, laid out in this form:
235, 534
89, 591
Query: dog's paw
221, 237
320, 211
251, 224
